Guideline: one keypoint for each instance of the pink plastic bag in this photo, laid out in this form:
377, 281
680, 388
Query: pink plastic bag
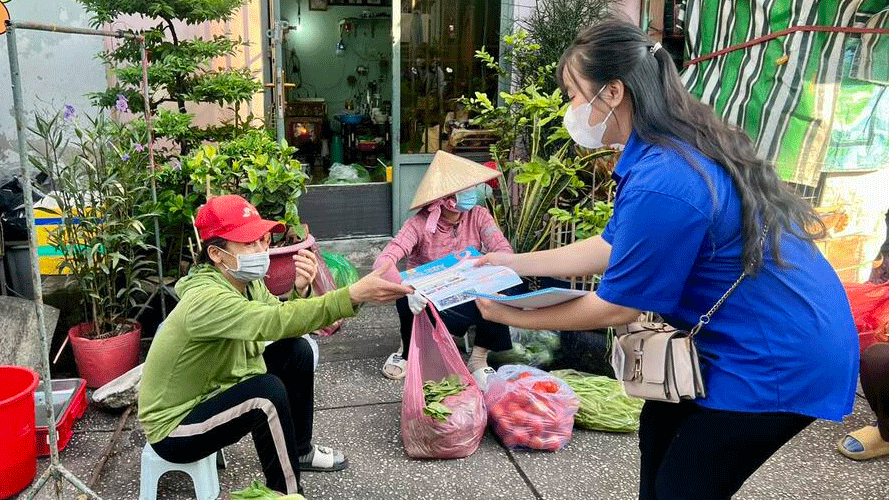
530, 408
322, 284
433, 356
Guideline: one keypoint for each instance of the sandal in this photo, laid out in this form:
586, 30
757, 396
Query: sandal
325, 460
481, 377
863, 444
395, 367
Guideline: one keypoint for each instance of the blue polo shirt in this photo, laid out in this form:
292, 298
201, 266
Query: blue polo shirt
784, 341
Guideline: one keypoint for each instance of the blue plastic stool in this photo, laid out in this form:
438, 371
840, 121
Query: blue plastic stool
203, 475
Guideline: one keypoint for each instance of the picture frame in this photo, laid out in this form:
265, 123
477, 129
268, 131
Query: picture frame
318, 4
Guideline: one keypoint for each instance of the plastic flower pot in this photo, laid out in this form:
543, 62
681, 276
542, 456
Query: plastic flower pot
100, 361
282, 273
18, 442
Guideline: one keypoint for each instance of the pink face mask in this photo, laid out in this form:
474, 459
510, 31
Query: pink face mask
435, 207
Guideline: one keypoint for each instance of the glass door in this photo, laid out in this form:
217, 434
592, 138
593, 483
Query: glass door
434, 64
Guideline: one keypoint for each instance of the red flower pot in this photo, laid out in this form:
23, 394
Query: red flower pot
282, 273
103, 360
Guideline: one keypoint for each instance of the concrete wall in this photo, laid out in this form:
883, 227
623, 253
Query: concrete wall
246, 24
56, 69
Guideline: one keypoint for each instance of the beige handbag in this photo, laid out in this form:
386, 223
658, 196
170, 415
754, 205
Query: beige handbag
658, 362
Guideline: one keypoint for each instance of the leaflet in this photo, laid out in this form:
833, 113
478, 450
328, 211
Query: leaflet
454, 280
538, 299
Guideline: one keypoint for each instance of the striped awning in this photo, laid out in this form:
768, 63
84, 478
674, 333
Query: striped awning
812, 101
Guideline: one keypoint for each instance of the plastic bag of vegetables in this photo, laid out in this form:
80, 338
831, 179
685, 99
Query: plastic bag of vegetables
530, 408
529, 347
443, 413
603, 404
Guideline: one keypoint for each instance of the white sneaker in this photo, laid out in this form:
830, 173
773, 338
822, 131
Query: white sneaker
395, 367
481, 377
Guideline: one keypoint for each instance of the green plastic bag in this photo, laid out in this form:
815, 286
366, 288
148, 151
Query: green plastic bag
535, 348
258, 491
603, 404
343, 272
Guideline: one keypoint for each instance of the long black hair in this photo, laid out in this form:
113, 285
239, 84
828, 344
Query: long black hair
667, 115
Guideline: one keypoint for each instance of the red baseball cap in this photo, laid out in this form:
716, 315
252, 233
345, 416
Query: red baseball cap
233, 218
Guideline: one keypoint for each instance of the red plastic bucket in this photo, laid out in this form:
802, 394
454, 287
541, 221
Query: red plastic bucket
18, 442
103, 360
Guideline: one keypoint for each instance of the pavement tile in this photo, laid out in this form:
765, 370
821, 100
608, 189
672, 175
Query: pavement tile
809, 467
354, 382
593, 465
370, 436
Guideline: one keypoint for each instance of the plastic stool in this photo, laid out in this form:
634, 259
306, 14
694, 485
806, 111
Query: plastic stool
203, 475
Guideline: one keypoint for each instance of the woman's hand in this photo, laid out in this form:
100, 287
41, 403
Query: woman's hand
373, 288
496, 259
306, 265
492, 311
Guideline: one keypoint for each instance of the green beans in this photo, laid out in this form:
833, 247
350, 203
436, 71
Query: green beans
603, 404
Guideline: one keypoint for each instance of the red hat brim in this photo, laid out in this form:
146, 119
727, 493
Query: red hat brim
253, 231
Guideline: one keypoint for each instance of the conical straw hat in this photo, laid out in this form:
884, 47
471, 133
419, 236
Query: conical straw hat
449, 174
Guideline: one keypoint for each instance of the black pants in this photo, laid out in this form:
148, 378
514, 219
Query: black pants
457, 319
276, 408
694, 453
875, 383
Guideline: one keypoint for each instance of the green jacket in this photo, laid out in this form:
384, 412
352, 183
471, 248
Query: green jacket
214, 338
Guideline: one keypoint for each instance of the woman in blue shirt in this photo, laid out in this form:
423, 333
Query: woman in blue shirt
691, 204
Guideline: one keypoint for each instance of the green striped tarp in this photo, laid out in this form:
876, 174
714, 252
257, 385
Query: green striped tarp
824, 107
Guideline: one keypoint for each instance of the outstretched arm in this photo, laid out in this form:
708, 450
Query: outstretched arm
581, 258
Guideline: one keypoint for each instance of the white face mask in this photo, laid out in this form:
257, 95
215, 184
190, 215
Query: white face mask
251, 266
577, 122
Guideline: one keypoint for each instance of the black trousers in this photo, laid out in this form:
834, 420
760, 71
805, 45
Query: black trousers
457, 319
875, 383
693, 453
276, 408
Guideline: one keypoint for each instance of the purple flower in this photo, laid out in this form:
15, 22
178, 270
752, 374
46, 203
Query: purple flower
175, 164
122, 105
69, 112
125, 157
138, 147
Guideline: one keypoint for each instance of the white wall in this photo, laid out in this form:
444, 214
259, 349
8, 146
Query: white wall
56, 69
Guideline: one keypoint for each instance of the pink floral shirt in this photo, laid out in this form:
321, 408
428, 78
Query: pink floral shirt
475, 228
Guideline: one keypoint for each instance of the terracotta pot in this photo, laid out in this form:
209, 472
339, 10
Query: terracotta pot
282, 274
103, 360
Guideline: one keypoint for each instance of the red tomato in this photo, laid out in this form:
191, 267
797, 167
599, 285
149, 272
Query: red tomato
522, 436
524, 375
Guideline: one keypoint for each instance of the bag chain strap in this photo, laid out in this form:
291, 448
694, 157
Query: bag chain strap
705, 318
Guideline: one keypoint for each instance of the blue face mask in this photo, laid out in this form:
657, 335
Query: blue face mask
467, 199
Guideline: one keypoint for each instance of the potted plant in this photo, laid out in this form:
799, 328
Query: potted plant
97, 176
548, 184
264, 172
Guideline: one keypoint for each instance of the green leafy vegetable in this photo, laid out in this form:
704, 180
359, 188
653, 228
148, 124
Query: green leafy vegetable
435, 392
258, 491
